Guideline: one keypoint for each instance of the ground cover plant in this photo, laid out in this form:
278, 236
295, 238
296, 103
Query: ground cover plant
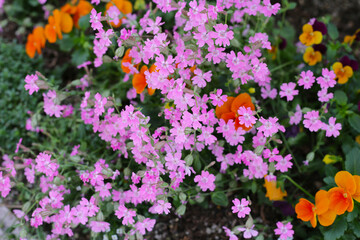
165, 104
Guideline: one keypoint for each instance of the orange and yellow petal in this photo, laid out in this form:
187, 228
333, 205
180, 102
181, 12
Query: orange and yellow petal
322, 202
317, 37
340, 200
242, 100
273, 192
66, 24
345, 180
128, 59
225, 108
327, 218
356, 195
305, 211
139, 80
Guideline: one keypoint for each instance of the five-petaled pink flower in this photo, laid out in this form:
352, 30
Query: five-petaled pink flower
288, 91
332, 129
31, 83
241, 207
284, 230
205, 181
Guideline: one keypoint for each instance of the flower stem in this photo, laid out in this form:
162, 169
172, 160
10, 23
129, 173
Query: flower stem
298, 186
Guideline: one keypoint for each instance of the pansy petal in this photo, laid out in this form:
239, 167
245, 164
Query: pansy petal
327, 218
242, 100
322, 202
225, 108
339, 200
345, 180
305, 210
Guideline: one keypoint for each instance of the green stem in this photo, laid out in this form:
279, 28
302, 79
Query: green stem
298, 186
281, 66
289, 149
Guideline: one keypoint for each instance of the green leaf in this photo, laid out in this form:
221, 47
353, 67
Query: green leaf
353, 215
292, 5
84, 22
329, 181
66, 44
79, 56
340, 97
333, 32
356, 228
352, 162
336, 230
219, 198
181, 210
354, 121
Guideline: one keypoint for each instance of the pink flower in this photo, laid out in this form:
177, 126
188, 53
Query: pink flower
50, 107
153, 26
284, 230
246, 116
113, 14
222, 36
95, 20
270, 126
288, 91
98, 226
268, 92
74, 151
45, 165
283, 163
312, 121
230, 234
161, 207
307, 79
18, 145
201, 78
249, 232
261, 38
125, 213
205, 181
218, 99
333, 128
241, 208
99, 104
215, 54
328, 79
296, 118
31, 83
324, 96
4, 185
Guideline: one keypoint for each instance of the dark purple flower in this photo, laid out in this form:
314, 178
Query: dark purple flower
320, 47
319, 26
346, 61
283, 43
292, 131
285, 208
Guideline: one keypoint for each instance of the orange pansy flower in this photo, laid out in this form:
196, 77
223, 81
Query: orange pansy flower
307, 211
312, 57
272, 192
124, 6
35, 42
229, 109
53, 28
139, 81
125, 59
309, 37
342, 73
81, 9
341, 197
